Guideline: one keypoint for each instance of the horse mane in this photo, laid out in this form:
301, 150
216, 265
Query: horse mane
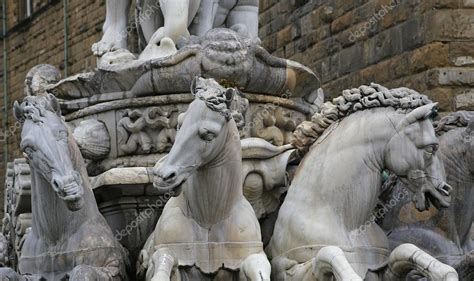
33, 108
214, 96
357, 99
215, 102
453, 120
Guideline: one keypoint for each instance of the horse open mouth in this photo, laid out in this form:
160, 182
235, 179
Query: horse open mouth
72, 195
444, 189
439, 196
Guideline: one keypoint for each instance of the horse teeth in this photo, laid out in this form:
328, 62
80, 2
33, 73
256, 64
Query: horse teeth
71, 189
443, 191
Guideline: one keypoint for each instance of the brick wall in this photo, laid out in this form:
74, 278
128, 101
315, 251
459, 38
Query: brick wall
427, 45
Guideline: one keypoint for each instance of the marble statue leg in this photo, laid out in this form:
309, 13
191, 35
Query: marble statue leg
162, 265
244, 18
115, 28
150, 18
331, 261
163, 41
205, 18
408, 257
256, 268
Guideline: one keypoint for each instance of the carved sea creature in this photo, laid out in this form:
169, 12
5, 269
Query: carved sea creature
68, 237
209, 230
273, 124
443, 233
349, 144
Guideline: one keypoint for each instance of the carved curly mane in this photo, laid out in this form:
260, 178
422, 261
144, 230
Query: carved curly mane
453, 120
214, 95
353, 100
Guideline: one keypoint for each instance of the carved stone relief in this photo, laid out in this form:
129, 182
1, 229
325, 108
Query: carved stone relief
149, 130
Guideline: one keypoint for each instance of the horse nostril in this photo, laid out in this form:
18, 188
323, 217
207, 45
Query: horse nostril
56, 184
170, 176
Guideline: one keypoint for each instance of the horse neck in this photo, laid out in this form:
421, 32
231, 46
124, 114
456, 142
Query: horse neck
453, 153
457, 166
52, 221
355, 147
214, 189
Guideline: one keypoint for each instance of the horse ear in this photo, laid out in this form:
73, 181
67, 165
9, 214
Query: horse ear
229, 95
194, 84
18, 112
53, 101
418, 114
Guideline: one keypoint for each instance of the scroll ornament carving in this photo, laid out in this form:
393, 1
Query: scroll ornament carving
149, 130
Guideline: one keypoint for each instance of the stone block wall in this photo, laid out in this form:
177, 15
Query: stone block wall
427, 45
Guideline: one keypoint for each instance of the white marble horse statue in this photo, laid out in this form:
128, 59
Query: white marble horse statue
209, 231
318, 234
443, 233
69, 238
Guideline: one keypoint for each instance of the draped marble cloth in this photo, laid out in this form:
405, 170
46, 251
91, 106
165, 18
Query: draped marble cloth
63, 262
210, 257
207, 207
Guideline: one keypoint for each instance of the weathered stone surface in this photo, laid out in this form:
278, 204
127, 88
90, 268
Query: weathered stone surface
464, 101
444, 96
123, 176
428, 57
454, 76
222, 54
450, 24
468, 3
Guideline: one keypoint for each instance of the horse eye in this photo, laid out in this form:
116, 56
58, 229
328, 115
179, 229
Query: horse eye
29, 151
207, 135
431, 149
